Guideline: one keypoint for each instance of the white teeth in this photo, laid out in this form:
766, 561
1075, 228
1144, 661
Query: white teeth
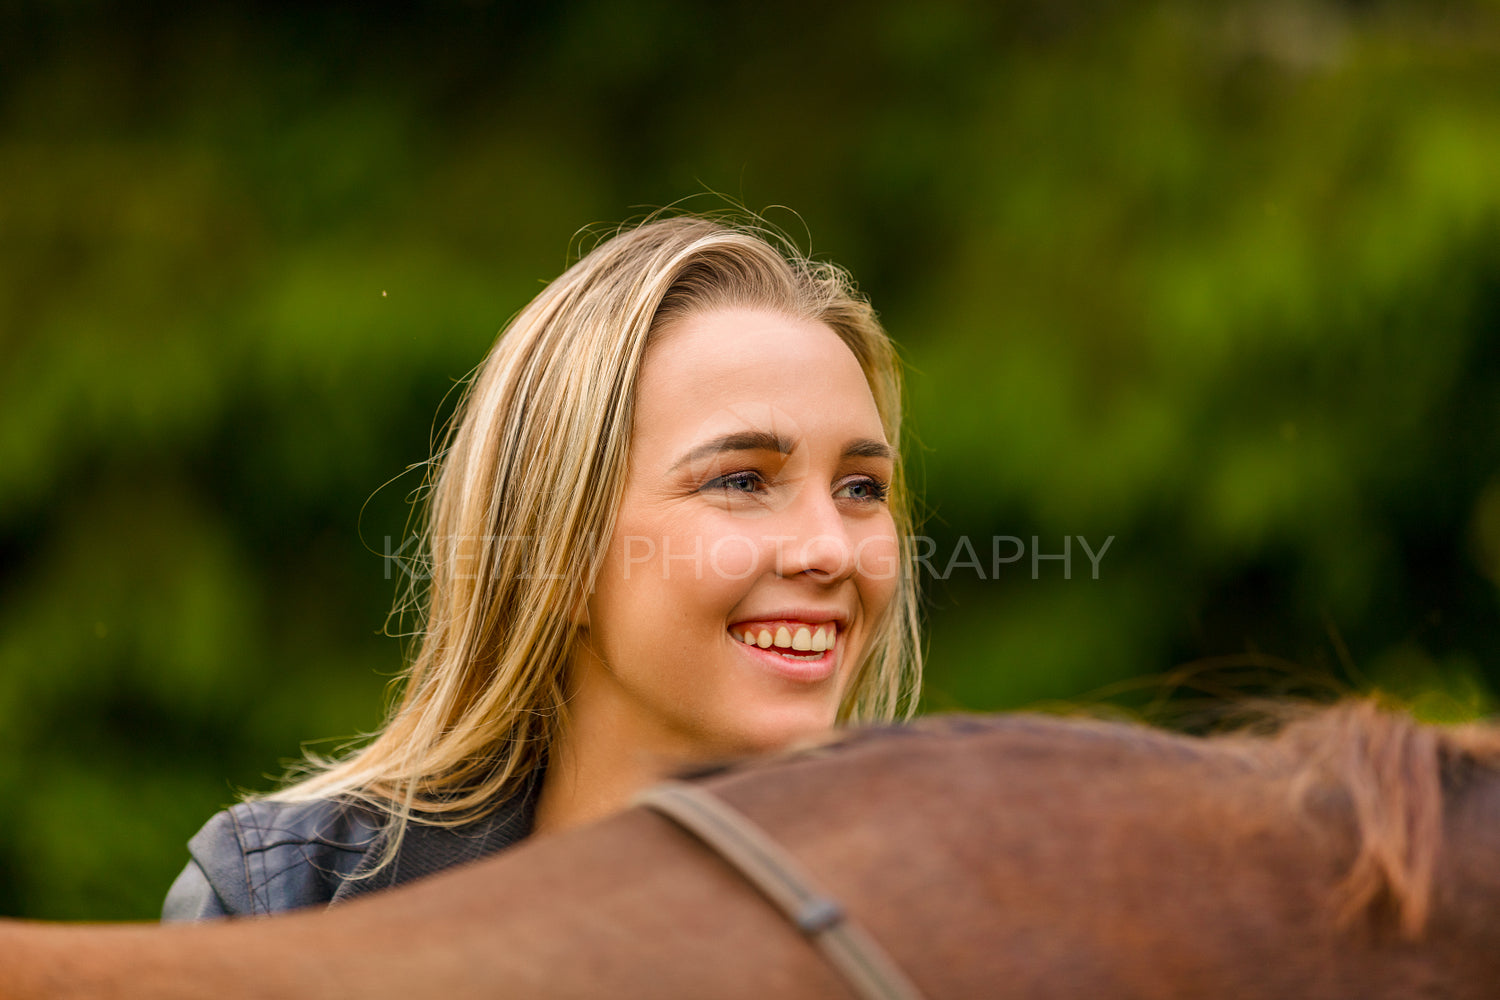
801, 638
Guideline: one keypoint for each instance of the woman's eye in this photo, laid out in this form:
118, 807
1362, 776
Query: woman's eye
736, 482
865, 489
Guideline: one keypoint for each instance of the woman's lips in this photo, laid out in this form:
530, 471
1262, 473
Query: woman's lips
798, 651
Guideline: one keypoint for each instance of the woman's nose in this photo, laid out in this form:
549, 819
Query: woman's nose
816, 541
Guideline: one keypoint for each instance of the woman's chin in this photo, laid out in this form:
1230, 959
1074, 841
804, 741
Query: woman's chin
784, 729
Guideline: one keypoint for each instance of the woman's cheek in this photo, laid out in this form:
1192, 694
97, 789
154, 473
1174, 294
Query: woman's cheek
877, 562
732, 556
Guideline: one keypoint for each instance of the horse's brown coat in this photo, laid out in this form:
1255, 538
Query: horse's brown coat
1356, 855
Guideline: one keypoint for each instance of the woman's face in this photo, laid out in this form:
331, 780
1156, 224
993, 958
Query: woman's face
753, 551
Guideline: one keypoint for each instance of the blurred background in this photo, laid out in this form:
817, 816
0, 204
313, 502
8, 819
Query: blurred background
1214, 285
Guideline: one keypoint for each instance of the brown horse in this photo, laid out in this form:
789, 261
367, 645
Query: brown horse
1356, 854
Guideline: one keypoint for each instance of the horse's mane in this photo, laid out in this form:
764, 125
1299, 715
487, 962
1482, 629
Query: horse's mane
1390, 774
1398, 776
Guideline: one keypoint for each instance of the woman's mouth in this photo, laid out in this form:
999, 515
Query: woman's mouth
792, 640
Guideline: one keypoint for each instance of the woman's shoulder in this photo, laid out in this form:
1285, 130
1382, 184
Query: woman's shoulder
426, 849
267, 856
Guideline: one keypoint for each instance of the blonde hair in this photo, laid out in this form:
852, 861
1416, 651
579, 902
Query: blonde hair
523, 503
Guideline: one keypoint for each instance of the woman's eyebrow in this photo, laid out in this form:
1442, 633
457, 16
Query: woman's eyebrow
869, 448
736, 441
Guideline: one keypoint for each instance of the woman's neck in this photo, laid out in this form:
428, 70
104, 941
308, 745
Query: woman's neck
585, 783
603, 757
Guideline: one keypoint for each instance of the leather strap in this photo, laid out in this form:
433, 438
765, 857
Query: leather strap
866, 966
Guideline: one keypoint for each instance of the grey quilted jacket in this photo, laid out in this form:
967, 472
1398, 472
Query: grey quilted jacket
266, 857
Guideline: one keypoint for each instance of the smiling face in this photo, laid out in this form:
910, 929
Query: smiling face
753, 552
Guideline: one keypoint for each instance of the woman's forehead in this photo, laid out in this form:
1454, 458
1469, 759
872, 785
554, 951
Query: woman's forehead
734, 370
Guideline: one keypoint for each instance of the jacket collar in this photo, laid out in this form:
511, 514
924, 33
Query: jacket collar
426, 849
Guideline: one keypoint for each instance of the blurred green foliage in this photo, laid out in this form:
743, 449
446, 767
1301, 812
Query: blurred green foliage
1221, 282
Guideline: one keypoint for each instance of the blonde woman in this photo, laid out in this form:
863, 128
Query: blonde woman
668, 527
